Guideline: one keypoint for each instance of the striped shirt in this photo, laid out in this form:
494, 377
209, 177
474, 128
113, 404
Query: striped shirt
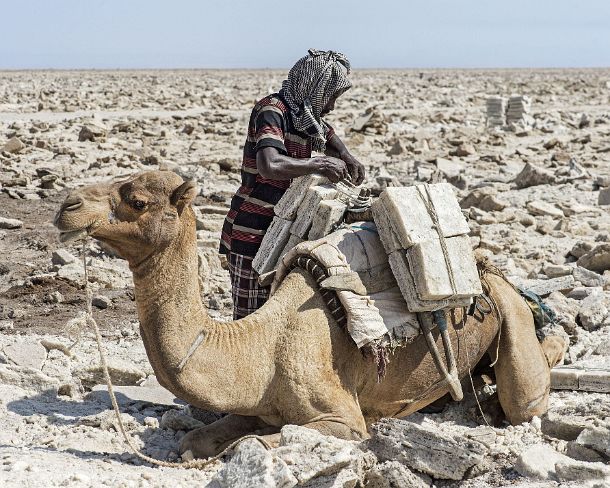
251, 209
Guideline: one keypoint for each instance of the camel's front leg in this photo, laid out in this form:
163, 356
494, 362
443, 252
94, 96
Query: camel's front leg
522, 371
210, 440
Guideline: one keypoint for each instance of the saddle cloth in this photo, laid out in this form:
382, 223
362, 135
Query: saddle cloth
358, 271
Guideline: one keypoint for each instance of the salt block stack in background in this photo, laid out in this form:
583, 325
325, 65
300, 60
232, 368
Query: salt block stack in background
414, 244
496, 110
308, 210
518, 108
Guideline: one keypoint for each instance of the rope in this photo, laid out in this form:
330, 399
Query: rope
193, 463
434, 216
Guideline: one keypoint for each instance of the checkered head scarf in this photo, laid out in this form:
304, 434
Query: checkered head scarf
311, 83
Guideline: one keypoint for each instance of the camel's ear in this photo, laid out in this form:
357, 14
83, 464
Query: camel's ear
184, 195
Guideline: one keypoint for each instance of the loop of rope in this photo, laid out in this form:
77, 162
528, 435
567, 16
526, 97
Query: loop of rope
194, 463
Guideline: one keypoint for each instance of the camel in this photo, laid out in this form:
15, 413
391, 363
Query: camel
289, 362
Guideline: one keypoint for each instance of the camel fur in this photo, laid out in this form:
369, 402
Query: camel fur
289, 362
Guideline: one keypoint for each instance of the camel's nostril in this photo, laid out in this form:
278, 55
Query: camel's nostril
72, 203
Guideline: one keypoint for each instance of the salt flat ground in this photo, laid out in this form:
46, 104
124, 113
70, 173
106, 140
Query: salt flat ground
405, 126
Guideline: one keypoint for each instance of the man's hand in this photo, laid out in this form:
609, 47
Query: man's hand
334, 169
355, 168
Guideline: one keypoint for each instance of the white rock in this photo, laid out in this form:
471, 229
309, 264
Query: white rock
30, 355
13, 145
538, 207
310, 454
6, 223
62, 257
253, 465
393, 474
425, 448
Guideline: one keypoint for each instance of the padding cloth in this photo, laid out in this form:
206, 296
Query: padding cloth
358, 270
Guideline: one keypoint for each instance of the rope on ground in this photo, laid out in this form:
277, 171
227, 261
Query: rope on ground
194, 463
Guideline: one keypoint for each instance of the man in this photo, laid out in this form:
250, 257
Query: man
283, 130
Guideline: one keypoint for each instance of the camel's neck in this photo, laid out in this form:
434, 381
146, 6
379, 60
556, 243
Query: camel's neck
195, 357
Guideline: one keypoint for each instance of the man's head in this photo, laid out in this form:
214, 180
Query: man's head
313, 85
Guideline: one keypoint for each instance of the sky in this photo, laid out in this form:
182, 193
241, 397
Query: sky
110, 34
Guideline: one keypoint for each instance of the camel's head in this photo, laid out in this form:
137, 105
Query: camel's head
136, 217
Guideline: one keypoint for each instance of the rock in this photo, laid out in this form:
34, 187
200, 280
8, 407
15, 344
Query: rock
588, 278
566, 427
597, 259
596, 438
450, 168
27, 378
392, 474
61, 257
371, 122
580, 249
30, 355
532, 175
176, 420
604, 196
91, 132
13, 145
396, 148
101, 301
572, 378
546, 287
464, 150
425, 448
127, 395
538, 207
310, 454
6, 223
253, 465
6, 325
557, 270
122, 373
542, 462
582, 471
593, 311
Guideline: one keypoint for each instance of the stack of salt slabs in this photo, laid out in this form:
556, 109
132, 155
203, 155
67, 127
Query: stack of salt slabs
518, 108
308, 210
425, 235
496, 108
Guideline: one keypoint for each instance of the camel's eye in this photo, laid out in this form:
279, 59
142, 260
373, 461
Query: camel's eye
138, 204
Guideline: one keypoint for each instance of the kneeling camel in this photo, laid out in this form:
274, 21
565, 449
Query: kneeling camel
289, 362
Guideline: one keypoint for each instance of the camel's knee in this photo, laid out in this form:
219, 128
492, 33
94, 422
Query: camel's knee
524, 412
554, 348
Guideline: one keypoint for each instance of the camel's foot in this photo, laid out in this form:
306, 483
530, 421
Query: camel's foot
554, 348
210, 440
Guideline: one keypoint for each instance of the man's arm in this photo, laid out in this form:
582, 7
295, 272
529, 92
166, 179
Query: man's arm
274, 165
336, 148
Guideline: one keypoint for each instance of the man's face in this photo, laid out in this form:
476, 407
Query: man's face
330, 106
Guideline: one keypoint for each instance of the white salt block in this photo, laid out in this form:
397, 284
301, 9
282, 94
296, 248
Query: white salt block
292, 241
309, 207
400, 268
431, 274
411, 220
273, 243
288, 205
328, 216
384, 227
